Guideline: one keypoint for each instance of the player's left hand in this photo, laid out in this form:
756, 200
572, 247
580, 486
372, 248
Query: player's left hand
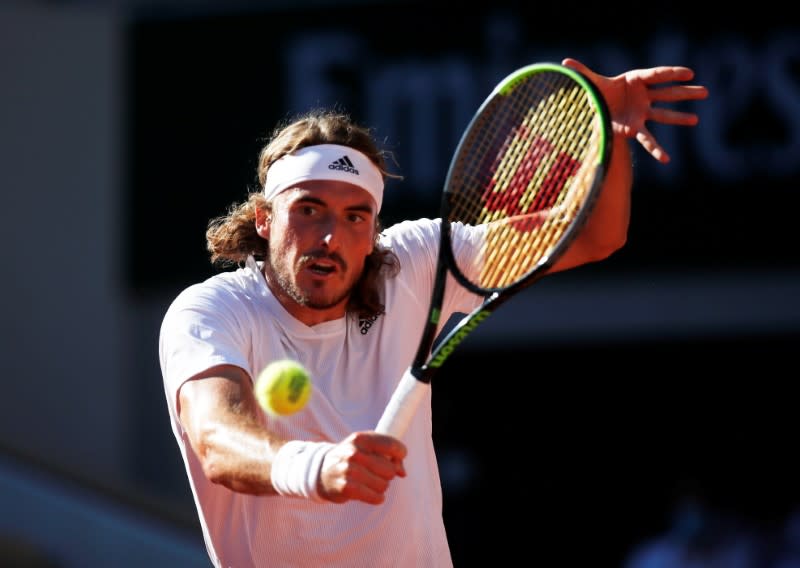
630, 97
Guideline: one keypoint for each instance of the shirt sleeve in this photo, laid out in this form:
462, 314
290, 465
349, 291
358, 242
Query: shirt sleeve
200, 330
416, 244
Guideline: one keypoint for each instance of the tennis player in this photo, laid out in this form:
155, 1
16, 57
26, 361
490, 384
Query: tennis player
315, 278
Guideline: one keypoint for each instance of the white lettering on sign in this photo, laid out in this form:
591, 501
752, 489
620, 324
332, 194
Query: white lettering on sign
421, 105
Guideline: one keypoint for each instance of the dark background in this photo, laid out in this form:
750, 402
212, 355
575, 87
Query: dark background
207, 89
584, 460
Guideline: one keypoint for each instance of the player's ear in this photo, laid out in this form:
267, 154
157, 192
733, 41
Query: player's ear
263, 218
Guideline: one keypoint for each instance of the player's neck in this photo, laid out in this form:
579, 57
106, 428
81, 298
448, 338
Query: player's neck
312, 316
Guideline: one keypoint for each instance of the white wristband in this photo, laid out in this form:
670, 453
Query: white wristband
296, 468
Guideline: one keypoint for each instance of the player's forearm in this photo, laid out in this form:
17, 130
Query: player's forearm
220, 416
606, 228
237, 457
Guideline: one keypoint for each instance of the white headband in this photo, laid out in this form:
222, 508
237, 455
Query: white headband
325, 162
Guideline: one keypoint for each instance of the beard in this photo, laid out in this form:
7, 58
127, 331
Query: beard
282, 275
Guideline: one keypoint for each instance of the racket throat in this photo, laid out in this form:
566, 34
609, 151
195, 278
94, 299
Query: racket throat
453, 339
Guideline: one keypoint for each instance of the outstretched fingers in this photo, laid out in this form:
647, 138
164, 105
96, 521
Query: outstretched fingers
669, 116
649, 143
632, 98
662, 74
678, 93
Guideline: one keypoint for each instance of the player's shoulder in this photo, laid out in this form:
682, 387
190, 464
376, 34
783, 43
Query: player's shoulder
220, 289
408, 233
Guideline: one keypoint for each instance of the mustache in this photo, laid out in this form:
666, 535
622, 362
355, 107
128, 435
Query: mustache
315, 255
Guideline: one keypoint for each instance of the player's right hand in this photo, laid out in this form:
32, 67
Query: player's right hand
360, 468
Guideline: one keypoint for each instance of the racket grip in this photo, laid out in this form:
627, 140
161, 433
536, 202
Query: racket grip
402, 406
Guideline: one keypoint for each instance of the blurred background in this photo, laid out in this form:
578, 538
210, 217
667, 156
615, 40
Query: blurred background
640, 412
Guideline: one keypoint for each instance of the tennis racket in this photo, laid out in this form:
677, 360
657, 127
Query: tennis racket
521, 182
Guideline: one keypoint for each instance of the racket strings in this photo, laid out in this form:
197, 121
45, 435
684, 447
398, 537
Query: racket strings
525, 176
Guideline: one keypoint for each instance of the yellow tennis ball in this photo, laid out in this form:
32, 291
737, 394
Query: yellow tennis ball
283, 387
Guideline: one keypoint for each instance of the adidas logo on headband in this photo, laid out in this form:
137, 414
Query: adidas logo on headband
343, 164
320, 162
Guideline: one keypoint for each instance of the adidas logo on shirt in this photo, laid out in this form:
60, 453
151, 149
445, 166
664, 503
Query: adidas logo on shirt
343, 164
365, 323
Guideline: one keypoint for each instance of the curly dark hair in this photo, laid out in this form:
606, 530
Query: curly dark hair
232, 238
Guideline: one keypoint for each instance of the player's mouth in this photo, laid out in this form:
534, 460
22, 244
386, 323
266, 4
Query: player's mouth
321, 268
323, 265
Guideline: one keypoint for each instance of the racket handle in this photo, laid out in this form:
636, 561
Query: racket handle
402, 406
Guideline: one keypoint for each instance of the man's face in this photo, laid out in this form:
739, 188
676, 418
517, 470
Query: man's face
320, 234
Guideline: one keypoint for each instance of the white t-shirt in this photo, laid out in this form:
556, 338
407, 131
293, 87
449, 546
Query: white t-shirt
233, 318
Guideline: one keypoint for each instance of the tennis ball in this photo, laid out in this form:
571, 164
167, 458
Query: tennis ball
283, 387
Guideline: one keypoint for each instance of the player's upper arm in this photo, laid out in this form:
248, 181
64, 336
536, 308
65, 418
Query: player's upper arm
221, 394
